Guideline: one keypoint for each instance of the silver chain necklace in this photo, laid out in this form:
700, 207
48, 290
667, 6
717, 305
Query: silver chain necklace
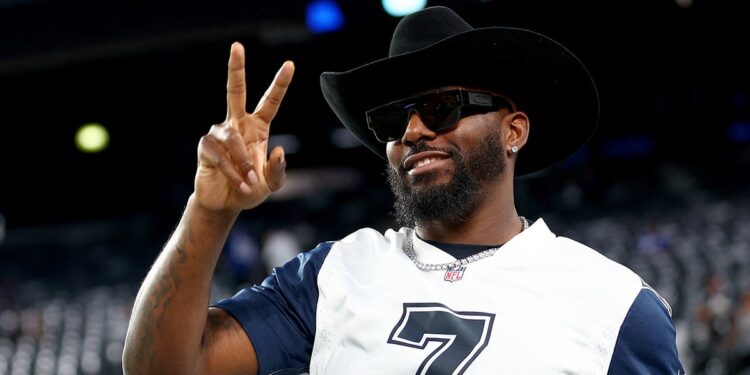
454, 270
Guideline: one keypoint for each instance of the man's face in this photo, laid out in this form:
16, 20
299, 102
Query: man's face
441, 175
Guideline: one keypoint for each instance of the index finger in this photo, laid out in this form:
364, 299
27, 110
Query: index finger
236, 86
271, 100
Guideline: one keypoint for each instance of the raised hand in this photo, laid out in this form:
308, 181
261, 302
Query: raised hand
235, 171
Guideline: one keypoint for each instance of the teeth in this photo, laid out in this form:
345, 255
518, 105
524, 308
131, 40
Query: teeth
425, 161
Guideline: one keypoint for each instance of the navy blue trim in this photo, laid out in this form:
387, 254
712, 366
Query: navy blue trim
279, 314
646, 342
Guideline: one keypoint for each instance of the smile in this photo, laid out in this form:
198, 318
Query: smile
425, 161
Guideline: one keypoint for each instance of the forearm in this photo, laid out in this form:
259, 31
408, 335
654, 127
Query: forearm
170, 311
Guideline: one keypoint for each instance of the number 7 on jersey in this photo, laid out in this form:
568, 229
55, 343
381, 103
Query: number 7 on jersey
461, 336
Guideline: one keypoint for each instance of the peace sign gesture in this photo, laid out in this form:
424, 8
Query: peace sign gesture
235, 171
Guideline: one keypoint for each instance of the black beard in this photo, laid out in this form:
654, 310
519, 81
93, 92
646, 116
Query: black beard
451, 202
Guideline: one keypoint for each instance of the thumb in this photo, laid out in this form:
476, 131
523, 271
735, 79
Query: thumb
276, 169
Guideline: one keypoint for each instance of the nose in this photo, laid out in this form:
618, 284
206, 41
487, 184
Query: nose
416, 130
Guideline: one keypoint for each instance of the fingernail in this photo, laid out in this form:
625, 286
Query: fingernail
245, 188
252, 176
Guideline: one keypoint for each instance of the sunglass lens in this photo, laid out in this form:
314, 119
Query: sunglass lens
387, 122
440, 111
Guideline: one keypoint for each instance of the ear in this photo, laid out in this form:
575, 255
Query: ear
517, 134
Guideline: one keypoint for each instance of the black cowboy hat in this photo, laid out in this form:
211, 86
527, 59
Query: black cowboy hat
435, 47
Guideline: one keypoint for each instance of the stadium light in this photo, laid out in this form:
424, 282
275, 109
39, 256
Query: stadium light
324, 16
92, 138
400, 8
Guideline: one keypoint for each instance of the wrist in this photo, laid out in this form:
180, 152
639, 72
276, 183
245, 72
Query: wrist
209, 214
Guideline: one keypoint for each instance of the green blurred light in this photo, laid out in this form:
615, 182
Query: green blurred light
92, 138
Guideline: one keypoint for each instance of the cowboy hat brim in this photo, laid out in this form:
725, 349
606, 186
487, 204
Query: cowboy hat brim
551, 85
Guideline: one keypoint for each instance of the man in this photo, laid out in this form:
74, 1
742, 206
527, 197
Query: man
472, 288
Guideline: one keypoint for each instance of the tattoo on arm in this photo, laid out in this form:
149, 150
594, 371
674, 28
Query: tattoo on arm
158, 299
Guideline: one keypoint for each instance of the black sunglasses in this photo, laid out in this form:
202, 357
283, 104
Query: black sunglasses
439, 110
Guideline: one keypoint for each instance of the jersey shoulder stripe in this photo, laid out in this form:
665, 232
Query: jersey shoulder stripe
646, 341
279, 315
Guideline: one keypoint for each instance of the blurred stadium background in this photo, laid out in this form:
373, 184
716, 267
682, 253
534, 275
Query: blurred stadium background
661, 188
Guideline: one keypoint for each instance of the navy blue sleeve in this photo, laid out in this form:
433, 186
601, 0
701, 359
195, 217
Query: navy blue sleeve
646, 343
279, 314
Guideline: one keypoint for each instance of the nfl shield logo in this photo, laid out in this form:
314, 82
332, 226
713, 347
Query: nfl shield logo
454, 274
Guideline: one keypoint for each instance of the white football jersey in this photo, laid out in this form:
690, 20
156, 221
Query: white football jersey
542, 304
